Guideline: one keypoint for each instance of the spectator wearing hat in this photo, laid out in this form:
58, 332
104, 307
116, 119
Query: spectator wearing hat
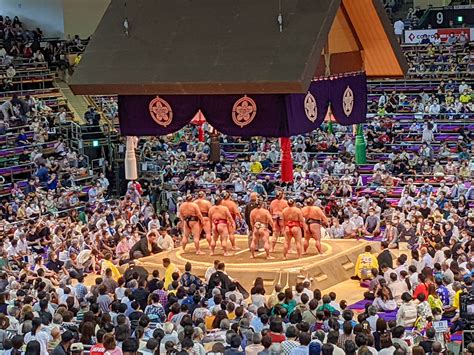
76, 349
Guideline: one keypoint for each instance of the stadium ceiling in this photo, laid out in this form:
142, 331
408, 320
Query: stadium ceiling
235, 46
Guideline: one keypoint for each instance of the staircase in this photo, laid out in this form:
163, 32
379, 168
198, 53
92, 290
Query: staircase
77, 104
403, 11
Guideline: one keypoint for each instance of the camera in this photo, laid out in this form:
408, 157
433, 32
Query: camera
466, 301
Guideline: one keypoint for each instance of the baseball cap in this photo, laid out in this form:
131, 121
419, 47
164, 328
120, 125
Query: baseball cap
77, 347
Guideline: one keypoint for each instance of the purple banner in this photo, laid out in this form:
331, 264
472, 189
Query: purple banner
306, 112
349, 99
252, 115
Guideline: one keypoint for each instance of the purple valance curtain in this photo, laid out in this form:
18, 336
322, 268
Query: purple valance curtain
276, 115
346, 95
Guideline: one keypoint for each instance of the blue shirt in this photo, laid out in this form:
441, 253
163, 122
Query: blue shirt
256, 324
300, 350
156, 312
53, 185
443, 294
81, 291
42, 174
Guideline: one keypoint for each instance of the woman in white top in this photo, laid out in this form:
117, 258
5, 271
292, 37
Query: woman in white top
386, 345
258, 298
336, 231
38, 335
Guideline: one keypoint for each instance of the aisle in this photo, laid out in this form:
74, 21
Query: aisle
348, 290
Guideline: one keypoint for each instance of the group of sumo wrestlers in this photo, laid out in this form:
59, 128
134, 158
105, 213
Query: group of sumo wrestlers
282, 218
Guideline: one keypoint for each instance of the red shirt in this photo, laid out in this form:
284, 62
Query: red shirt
421, 288
277, 338
97, 349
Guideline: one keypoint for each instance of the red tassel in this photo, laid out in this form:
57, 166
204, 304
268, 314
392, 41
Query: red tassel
286, 160
201, 133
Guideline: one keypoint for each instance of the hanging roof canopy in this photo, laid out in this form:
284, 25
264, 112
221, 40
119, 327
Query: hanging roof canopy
234, 46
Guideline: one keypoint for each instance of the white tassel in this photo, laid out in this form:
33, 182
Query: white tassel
125, 26
131, 159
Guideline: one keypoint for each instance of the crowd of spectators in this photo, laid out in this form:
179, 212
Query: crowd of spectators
449, 99
416, 203
41, 174
32, 46
48, 307
453, 58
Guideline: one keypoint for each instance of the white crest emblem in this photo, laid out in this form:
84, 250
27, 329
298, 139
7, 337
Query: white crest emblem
348, 101
310, 107
160, 111
244, 111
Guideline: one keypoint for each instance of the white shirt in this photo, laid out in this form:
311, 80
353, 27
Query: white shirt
435, 108
379, 166
427, 260
104, 182
120, 292
41, 337
388, 351
364, 204
154, 224
373, 350
165, 242
11, 251
463, 87
62, 117
386, 275
22, 246
439, 257
358, 221
398, 27
338, 350
209, 272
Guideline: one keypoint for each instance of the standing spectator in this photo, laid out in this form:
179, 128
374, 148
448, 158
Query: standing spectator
399, 27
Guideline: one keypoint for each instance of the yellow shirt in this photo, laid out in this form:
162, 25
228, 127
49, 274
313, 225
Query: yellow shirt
465, 171
256, 167
435, 302
208, 322
465, 98
168, 274
106, 264
231, 316
366, 261
456, 300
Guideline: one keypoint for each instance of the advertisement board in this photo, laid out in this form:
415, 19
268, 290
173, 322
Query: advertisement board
415, 36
